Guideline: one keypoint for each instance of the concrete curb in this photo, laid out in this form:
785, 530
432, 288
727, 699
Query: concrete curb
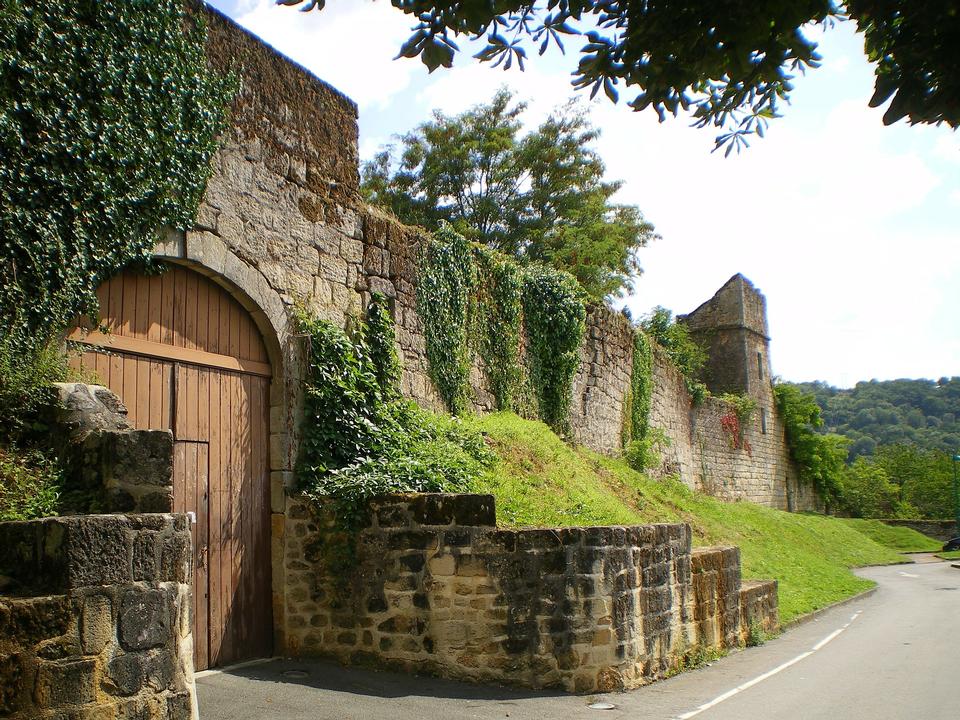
803, 619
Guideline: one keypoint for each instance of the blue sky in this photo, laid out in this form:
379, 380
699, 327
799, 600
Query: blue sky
848, 227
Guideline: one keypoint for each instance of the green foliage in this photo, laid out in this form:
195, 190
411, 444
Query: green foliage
381, 340
555, 315
922, 413
646, 452
497, 316
743, 406
924, 478
443, 301
538, 198
106, 138
25, 384
729, 63
30, 484
674, 337
820, 458
641, 385
541, 481
358, 439
868, 493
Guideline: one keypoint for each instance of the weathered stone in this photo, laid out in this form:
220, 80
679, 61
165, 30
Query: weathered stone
126, 673
65, 683
145, 620
96, 623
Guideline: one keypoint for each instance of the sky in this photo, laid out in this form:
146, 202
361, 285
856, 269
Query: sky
848, 227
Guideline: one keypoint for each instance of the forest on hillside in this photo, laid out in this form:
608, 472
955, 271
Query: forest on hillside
902, 437
922, 413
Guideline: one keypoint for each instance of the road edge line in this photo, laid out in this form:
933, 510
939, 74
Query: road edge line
814, 614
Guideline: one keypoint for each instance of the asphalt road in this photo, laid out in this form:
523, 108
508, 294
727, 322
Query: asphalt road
893, 654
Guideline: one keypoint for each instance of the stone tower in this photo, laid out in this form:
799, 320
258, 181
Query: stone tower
732, 327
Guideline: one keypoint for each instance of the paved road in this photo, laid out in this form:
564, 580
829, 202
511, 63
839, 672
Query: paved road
894, 654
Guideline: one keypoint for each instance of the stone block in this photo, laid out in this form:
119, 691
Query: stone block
69, 682
96, 622
145, 619
126, 674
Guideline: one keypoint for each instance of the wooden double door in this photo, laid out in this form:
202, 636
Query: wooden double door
185, 356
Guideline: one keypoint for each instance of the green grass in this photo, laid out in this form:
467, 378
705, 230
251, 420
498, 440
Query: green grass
901, 539
540, 481
949, 555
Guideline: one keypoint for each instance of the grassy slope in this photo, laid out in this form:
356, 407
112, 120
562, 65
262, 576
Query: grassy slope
543, 482
899, 538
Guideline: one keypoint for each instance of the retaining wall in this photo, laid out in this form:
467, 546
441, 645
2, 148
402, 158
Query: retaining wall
438, 588
95, 618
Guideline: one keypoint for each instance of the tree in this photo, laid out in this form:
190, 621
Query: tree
730, 62
868, 493
540, 197
819, 457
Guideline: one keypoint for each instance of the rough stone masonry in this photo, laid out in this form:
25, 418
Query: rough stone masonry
433, 586
95, 618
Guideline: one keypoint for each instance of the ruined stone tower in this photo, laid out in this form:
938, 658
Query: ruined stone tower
732, 327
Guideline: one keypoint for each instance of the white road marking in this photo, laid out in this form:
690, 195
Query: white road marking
905, 574
770, 673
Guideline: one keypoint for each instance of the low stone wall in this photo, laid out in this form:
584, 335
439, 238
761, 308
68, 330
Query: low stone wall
759, 609
437, 588
110, 467
941, 530
716, 591
95, 618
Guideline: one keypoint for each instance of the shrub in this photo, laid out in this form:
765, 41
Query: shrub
688, 357
30, 484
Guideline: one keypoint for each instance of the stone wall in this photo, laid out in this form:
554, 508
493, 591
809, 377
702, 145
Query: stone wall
282, 222
438, 588
109, 467
95, 618
704, 455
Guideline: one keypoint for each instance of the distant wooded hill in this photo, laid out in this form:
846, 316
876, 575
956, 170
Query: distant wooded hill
923, 413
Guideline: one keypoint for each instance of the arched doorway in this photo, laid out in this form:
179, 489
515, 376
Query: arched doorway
183, 355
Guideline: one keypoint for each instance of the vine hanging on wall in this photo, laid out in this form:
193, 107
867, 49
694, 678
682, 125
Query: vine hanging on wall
555, 318
641, 385
109, 139
496, 321
738, 409
443, 302
470, 296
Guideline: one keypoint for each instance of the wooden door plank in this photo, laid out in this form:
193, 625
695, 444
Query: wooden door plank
167, 290
143, 393
190, 313
228, 541
237, 515
154, 312
179, 307
128, 381
215, 483
141, 306
202, 587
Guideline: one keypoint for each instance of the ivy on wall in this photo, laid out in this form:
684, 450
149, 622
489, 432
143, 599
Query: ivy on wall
555, 317
641, 385
111, 119
497, 316
443, 299
471, 298
359, 439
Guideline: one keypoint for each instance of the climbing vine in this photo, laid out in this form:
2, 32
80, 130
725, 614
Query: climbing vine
641, 385
555, 315
738, 409
112, 119
359, 439
443, 302
496, 319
